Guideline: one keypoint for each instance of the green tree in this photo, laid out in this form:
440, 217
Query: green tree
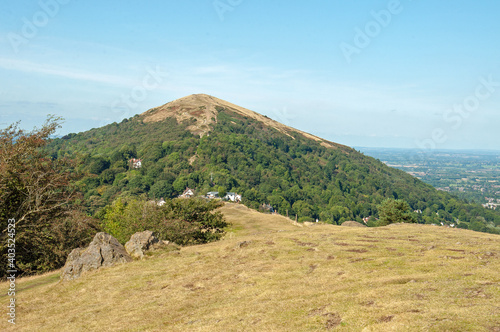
98, 165
183, 221
161, 189
394, 211
180, 184
107, 176
222, 191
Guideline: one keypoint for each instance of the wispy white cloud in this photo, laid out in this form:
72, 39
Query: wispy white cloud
71, 73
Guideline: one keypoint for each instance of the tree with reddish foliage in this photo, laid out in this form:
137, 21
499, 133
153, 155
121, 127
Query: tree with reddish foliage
36, 192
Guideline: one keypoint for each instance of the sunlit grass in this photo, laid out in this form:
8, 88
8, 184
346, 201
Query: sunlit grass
271, 275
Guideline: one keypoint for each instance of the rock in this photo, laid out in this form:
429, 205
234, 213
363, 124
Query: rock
242, 244
352, 224
104, 250
141, 242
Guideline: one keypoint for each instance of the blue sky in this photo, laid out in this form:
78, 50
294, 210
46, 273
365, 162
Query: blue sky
408, 73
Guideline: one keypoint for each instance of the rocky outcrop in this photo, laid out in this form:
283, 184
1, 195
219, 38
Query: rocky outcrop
104, 250
141, 242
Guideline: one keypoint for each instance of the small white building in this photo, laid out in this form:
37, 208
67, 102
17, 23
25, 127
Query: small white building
233, 197
212, 194
188, 193
135, 163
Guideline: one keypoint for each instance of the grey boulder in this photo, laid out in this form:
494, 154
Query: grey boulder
103, 251
141, 242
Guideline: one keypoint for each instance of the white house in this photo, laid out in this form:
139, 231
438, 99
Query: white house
233, 197
135, 163
188, 193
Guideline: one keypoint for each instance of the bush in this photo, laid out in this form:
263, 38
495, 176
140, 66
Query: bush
183, 221
395, 210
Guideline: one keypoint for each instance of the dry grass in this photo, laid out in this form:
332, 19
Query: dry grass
270, 275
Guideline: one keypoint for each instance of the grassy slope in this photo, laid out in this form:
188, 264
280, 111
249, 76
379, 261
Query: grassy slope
284, 278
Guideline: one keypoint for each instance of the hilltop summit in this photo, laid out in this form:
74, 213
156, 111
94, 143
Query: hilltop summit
204, 109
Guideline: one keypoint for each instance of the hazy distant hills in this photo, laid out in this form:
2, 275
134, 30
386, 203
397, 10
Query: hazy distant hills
208, 144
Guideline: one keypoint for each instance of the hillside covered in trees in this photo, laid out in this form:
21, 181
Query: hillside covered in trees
207, 144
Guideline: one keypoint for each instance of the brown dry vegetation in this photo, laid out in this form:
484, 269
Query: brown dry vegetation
271, 275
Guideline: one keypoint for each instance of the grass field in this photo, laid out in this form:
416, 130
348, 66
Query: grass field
271, 275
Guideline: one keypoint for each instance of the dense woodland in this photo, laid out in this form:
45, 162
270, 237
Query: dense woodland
294, 174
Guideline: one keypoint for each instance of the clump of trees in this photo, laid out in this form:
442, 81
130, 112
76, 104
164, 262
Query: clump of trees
36, 192
183, 221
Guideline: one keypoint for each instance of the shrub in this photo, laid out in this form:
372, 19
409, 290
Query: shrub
183, 221
395, 210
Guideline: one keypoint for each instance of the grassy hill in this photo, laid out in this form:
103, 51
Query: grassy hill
209, 144
269, 274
